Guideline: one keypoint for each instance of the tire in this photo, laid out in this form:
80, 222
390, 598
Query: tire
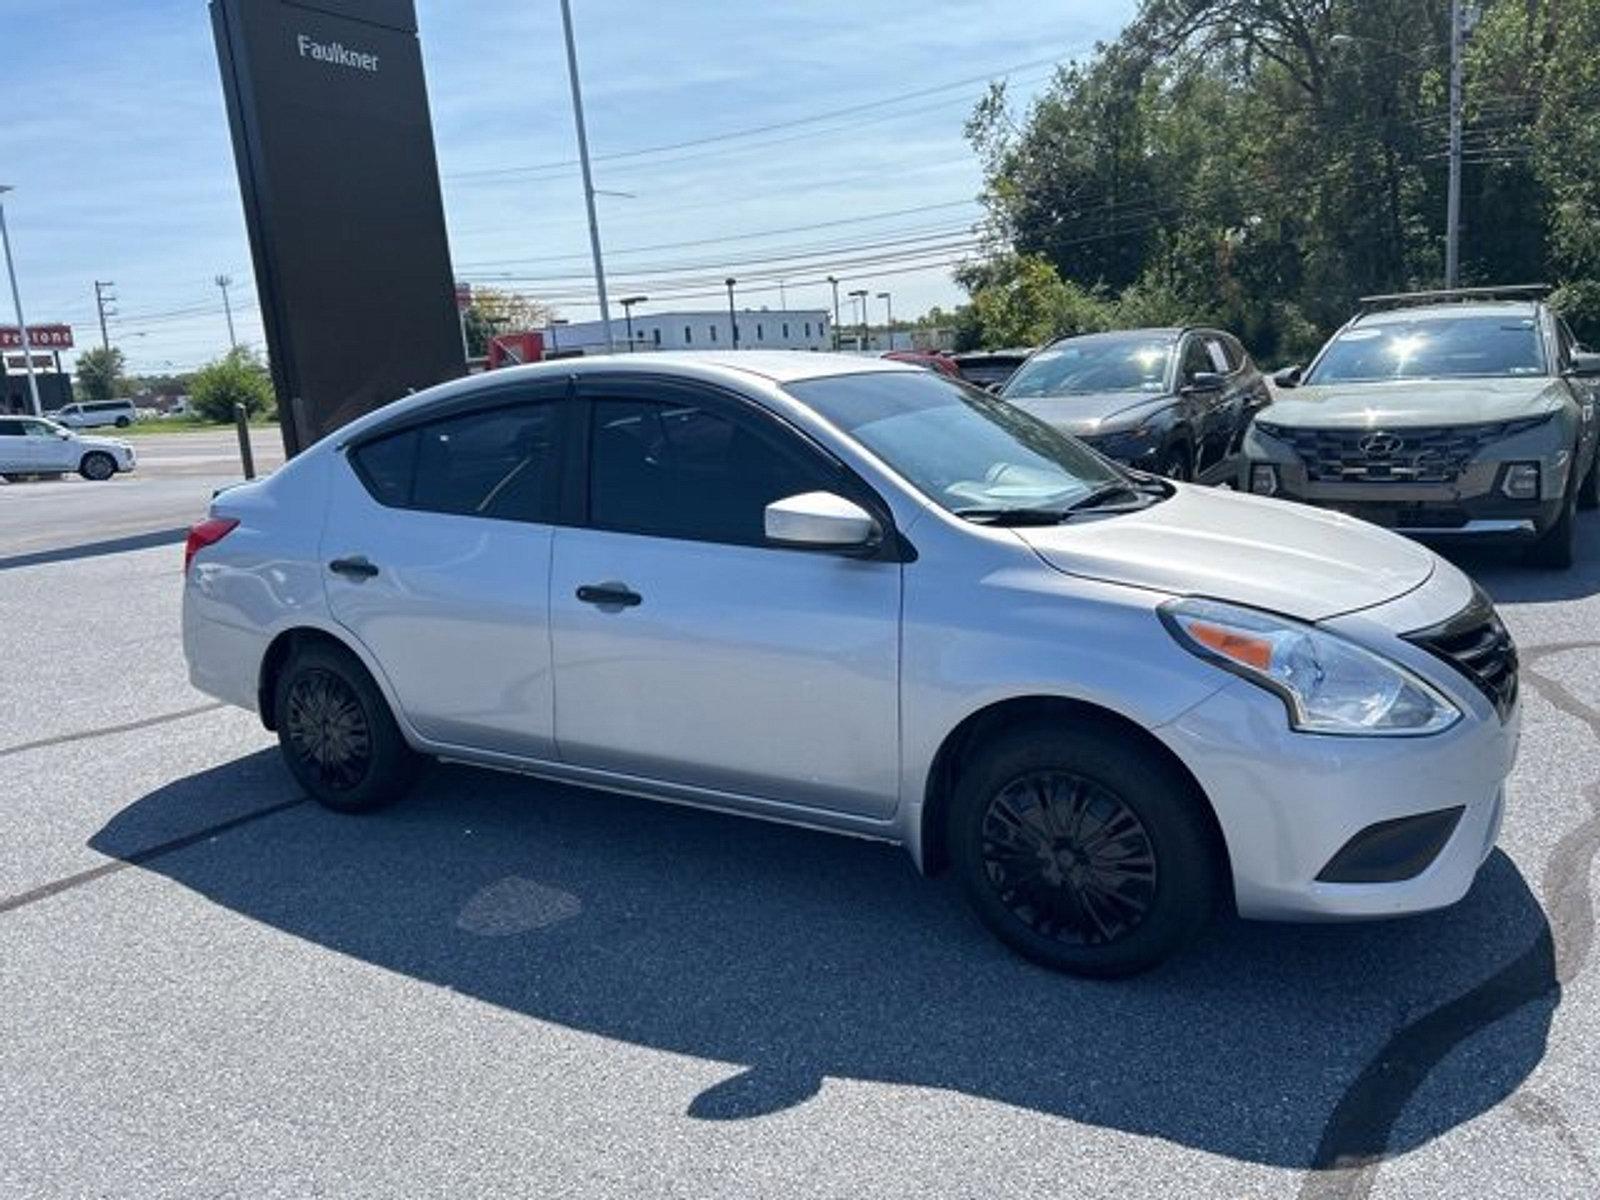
1589, 493
97, 465
1553, 550
123, 422
1001, 829
323, 699
1175, 463
13, 477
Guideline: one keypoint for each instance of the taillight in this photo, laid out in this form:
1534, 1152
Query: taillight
207, 533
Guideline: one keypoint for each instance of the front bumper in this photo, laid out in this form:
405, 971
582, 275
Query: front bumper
1289, 802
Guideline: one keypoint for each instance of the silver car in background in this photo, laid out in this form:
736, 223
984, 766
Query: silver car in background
1457, 415
864, 597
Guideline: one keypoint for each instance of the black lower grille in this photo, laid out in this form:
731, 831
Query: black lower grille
1476, 643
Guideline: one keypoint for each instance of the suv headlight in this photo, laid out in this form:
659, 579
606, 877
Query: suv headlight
1328, 684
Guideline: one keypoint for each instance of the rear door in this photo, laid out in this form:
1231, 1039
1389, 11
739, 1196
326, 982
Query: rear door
721, 662
17, 451
436, 555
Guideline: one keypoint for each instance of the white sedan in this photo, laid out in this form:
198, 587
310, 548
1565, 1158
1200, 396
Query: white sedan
35, 446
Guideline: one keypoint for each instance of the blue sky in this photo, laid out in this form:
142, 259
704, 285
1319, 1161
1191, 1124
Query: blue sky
114, 134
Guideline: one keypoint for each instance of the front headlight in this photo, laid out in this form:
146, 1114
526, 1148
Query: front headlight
1328, 684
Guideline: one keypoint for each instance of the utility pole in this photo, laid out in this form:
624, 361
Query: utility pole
888, 310
101, 299
225, 282
588, 177
1452, 236
16, 299
835, 284
733, 318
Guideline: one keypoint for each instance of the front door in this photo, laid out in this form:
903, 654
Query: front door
436, 557
690, 651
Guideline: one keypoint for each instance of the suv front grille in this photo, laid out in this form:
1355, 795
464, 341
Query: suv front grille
1423, 454
1477, 644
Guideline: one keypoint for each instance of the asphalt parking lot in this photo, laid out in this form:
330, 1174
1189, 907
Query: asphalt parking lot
504, 987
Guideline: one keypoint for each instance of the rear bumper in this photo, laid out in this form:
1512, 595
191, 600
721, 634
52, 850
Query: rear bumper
1289, 803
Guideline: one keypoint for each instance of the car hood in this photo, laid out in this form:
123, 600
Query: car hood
1271, 554
1395, 403
1093, 412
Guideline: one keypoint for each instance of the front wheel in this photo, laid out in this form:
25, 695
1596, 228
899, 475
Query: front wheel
1082, 851
337, 735
1553, 550
123, 422
1589, 493
1175, 464
97, 465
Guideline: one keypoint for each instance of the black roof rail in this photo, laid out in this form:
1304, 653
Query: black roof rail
1515, 291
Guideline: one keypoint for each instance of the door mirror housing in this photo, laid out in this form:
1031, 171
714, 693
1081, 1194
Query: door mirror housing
1205, 381
1585, 365
1289, 377
821, 521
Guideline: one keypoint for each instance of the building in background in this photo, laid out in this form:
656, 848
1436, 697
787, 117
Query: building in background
705, 329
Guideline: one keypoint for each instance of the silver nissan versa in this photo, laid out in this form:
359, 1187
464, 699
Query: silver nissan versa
865, 597
1468, 414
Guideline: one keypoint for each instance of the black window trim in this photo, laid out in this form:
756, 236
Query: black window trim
892, 547
489, 398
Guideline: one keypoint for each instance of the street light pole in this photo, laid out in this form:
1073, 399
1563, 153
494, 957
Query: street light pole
1452, 236
16, 299
588, 177
225, 282
861, 294
627, 303
733, 318
835, 284
888, 309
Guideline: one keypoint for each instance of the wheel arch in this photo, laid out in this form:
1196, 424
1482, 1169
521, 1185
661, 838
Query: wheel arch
286, 641
962, 742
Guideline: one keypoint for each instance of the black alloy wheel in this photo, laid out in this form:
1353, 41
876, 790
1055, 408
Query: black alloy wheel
97, 465
326, 728
1068, 858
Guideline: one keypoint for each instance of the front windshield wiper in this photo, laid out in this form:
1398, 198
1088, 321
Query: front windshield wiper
1012, 516
1097, 497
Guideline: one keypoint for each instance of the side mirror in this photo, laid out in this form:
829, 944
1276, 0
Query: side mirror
1289, 377
1585, 364
1205, 381
821, 521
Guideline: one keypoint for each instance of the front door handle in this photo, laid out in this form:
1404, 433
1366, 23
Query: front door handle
356, 568
609, 595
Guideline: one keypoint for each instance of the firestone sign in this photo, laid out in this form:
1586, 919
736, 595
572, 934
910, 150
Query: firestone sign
40, 337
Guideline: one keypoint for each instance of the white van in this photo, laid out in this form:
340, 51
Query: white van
91, 414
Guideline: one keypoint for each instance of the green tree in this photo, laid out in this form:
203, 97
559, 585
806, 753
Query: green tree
1021, 300
494, 310
100, 374
238, 377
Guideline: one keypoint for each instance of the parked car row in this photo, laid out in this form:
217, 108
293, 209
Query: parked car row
1468, 414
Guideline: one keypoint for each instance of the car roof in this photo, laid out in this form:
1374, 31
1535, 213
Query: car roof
706, 366
1449, 308
1172, 331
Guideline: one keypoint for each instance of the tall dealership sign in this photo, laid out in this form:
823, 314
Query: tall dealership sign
334, 145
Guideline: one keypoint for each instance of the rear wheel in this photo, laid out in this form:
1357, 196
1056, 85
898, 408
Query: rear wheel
336, 732
1082, 853
97, 465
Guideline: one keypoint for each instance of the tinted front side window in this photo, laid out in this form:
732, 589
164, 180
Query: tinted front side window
1433, 348
498, 463
679, 470
10, 428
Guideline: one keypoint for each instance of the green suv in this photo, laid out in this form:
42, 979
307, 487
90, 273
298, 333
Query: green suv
1463, 415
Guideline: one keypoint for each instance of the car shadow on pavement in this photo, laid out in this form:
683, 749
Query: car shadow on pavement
795, 956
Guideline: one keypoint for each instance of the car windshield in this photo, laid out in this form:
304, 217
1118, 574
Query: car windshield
1447, 347
1094, 364
962, 448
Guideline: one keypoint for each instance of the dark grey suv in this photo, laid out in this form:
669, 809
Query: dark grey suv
1468, 414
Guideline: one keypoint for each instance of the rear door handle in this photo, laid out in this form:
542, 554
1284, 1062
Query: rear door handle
609, 595
356, 568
